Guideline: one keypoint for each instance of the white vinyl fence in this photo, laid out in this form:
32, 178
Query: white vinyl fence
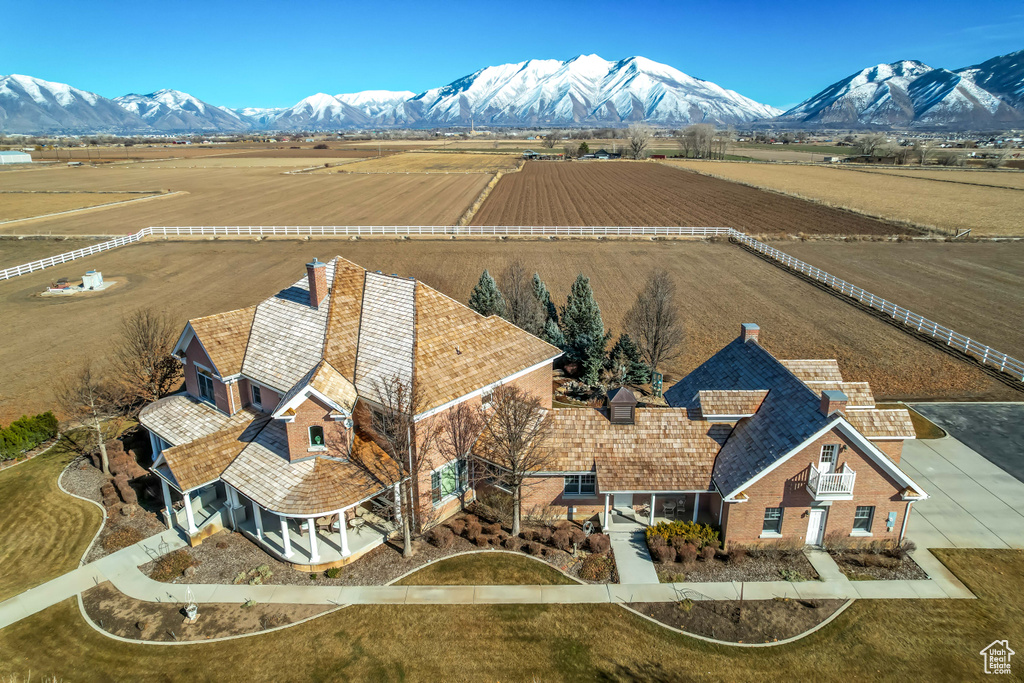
949, 337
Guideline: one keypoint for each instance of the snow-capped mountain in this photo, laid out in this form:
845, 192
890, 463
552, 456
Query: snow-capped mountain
173, 110
909, 93
259, 117
32, 105
583, 90
374, 103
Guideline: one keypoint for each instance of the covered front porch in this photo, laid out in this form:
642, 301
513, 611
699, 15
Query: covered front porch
646, 508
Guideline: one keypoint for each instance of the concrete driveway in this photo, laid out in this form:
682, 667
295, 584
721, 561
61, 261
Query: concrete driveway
973, 503
995, 430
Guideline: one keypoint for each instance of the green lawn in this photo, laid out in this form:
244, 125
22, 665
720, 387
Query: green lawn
873, 640
487, 569
43, 531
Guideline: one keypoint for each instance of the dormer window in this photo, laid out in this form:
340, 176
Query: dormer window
316, 438
205, 387
257, 399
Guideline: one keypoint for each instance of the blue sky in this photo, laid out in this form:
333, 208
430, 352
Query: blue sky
271, 54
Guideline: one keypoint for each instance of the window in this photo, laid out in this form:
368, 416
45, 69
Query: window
580, 485
448, 480
485, 398
257, 399
494, 475
862, 519
316, 438
829, 452
205, 387
772, 521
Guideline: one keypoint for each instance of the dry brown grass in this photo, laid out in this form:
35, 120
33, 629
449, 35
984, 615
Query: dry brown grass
18, 205
14, 252
433, 162
721, 286
250, 196
947, 206
991, 178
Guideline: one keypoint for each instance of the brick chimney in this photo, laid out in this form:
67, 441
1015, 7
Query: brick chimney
749, 332
832, 402
317, 274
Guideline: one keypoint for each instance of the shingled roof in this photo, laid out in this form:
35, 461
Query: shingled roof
180, 418
204, 460
224, 337
883, 424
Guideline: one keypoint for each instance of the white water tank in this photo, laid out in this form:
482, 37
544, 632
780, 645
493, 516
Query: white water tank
92, 279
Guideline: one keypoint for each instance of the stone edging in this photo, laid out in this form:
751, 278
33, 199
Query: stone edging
103, 511
785, 641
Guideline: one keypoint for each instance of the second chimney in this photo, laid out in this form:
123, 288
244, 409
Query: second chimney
833, 401
317, 274
749, 332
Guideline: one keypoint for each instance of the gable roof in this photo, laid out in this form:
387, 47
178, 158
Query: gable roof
204, 459
883, 424
324, 382
180, 418
818, 370
224, 337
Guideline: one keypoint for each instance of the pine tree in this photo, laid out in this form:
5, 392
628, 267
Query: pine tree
552, 335
583, 328
485, 298
625, 358
540, 290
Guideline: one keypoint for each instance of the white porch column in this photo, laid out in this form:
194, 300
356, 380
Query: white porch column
721, 504
286, 538
343, 532
398, 504
607, 515
651, 521
168, 509
189, 515
696, 502
314, 552
257, 516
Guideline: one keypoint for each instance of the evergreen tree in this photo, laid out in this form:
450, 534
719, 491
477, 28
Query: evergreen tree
583, 328
485, 298
540, 290
552, 335
625, 361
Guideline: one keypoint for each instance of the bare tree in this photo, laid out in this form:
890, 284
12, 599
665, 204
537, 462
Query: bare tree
552, 139
515, 439
522, 308
868, 144
639, 137
699, 138
458, 429
685, 142
143, 355
654, 322
87, 396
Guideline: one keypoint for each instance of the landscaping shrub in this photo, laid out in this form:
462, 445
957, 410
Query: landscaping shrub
26, 433
663, 553
109, 494
121, 538
902, 550
695, 532
687, 554
173, 565
707, 553
561, 540
595, 568
483, 540
656, 541
533, 548
441, 537
511, 543
125, 489
577, 535
473, 529
543, 535
471, 518
598, 543
457, 526
492, 529
678, 542
528, 535
738, 555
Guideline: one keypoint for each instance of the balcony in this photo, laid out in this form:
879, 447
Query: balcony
831, 485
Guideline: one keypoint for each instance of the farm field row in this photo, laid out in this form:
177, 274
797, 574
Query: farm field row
17, 205
720, 285
947, 206
421, 162
632, 193
993, 178
251, 196
975, 288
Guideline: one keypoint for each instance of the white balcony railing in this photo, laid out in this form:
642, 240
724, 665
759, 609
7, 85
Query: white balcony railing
831, 484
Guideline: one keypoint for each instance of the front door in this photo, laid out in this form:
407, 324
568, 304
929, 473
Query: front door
623, 503
815, 526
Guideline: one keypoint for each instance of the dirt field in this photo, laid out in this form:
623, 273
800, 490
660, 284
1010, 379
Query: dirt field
14, 252
421, 162
630, 193
1006, 178
15, 205
250, 196
721, 286
244, 161
947, 206
977, 289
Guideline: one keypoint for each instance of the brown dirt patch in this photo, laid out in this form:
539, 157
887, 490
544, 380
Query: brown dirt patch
18, 205
627, 193
751, 621
865, 566
127, 617
307, 151
720, 286
784, 567
14, 252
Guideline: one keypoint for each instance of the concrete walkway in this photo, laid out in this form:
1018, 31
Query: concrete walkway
632, 558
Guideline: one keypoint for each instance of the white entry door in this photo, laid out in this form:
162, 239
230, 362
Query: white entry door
815, 526
623, 503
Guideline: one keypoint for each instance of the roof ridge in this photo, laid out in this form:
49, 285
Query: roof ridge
787, 370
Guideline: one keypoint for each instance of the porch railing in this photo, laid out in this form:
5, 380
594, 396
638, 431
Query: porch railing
831, 483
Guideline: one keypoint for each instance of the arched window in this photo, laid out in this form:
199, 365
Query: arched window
316, 437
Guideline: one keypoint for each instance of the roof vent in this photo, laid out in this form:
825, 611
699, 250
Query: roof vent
622, 407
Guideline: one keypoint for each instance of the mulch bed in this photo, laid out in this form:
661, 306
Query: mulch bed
123, 616
786, 567
860, 566
752, 621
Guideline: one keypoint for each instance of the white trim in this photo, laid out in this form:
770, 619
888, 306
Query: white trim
189, 330
482, 390
659, 492
304, 394
770, 534
728, 418
861, 534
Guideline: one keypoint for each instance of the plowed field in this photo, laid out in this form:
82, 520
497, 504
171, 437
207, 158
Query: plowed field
629, 193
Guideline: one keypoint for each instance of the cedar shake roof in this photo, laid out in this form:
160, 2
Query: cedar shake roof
663, 450
313, 486
386, 334
204, 460
180, 418
459, 351
880, 424
858, 394
224, 337
343, 319
328, 381
826, 370
738, 402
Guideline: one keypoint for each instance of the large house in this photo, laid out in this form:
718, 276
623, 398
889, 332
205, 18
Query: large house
264, 436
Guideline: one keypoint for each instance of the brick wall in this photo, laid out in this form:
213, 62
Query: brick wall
786, 487
313, 412
537, 383
894, 449
195, 354
269, 397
